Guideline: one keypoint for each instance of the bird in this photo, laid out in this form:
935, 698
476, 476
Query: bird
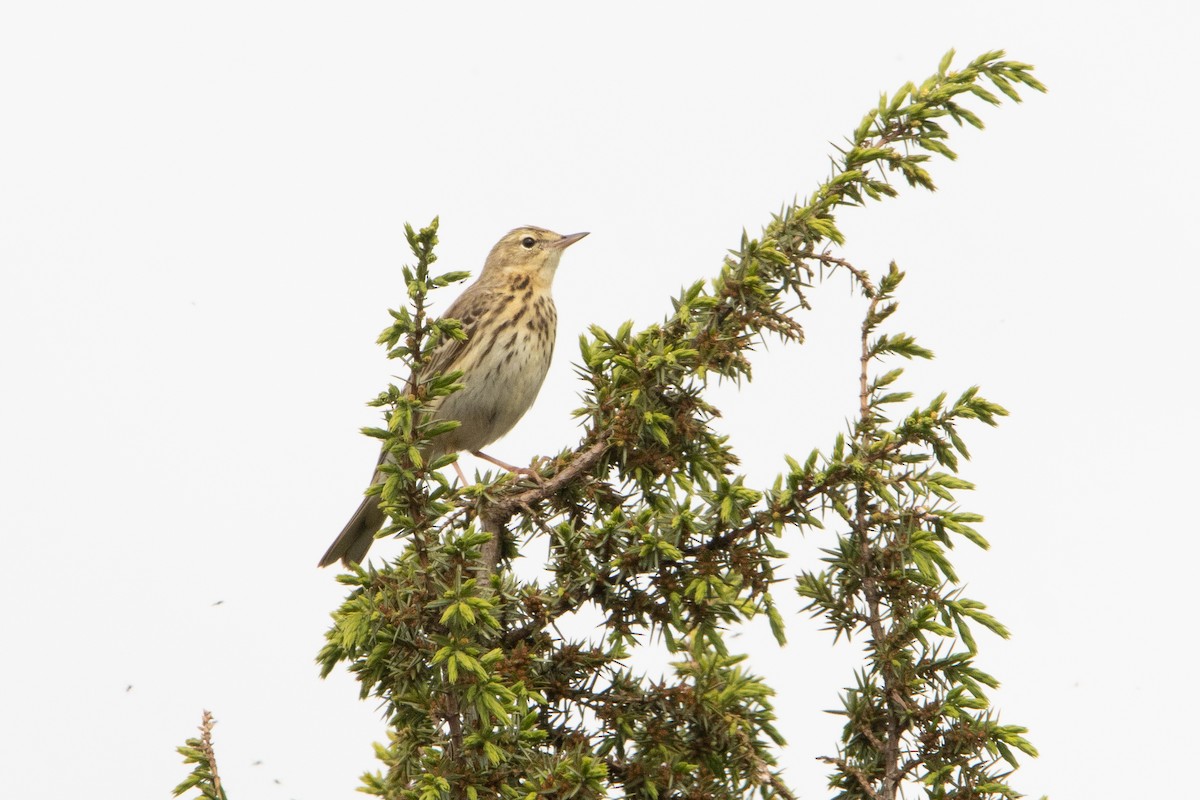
509, 317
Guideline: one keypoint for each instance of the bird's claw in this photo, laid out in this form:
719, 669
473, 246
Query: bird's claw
532, 474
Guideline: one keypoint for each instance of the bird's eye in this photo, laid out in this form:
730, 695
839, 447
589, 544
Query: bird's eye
528, 242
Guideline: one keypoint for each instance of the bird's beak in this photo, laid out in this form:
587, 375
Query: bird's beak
568, 240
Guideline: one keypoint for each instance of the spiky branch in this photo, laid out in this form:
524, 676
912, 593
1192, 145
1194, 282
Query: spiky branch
648, 521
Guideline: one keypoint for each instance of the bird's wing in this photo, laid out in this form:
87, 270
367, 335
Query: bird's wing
470, 309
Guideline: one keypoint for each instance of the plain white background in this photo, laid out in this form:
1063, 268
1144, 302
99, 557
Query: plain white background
201, 216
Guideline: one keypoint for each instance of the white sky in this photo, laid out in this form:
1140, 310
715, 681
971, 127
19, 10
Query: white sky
201, 226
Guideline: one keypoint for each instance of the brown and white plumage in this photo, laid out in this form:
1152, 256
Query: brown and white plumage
509, 318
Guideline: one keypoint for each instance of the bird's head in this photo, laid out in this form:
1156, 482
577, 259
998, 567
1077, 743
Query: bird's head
529, 251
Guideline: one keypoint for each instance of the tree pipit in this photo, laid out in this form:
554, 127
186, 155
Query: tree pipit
509, 318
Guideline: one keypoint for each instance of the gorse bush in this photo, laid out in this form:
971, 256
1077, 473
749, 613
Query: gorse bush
650, 525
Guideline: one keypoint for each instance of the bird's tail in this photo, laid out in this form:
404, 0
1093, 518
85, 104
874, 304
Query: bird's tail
356, 538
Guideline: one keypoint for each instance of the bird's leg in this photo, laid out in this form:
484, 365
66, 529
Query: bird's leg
461, 475
526, 471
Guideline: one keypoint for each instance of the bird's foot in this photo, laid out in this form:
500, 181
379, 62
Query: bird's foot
532, 474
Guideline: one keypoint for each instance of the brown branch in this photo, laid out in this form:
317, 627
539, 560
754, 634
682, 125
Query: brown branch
864, 362
854, 772
765, 775
781, 788
493, 519
871, 591
861, 275
910, 765
494, 516
455, 725
803, 494
489, 554
585, 459
566, 602
206, 726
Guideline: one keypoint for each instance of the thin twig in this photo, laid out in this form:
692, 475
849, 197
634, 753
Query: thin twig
871, 590
765, 775
854, 772
781, 788
860, 275
584, 460
206, 747
494, 517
